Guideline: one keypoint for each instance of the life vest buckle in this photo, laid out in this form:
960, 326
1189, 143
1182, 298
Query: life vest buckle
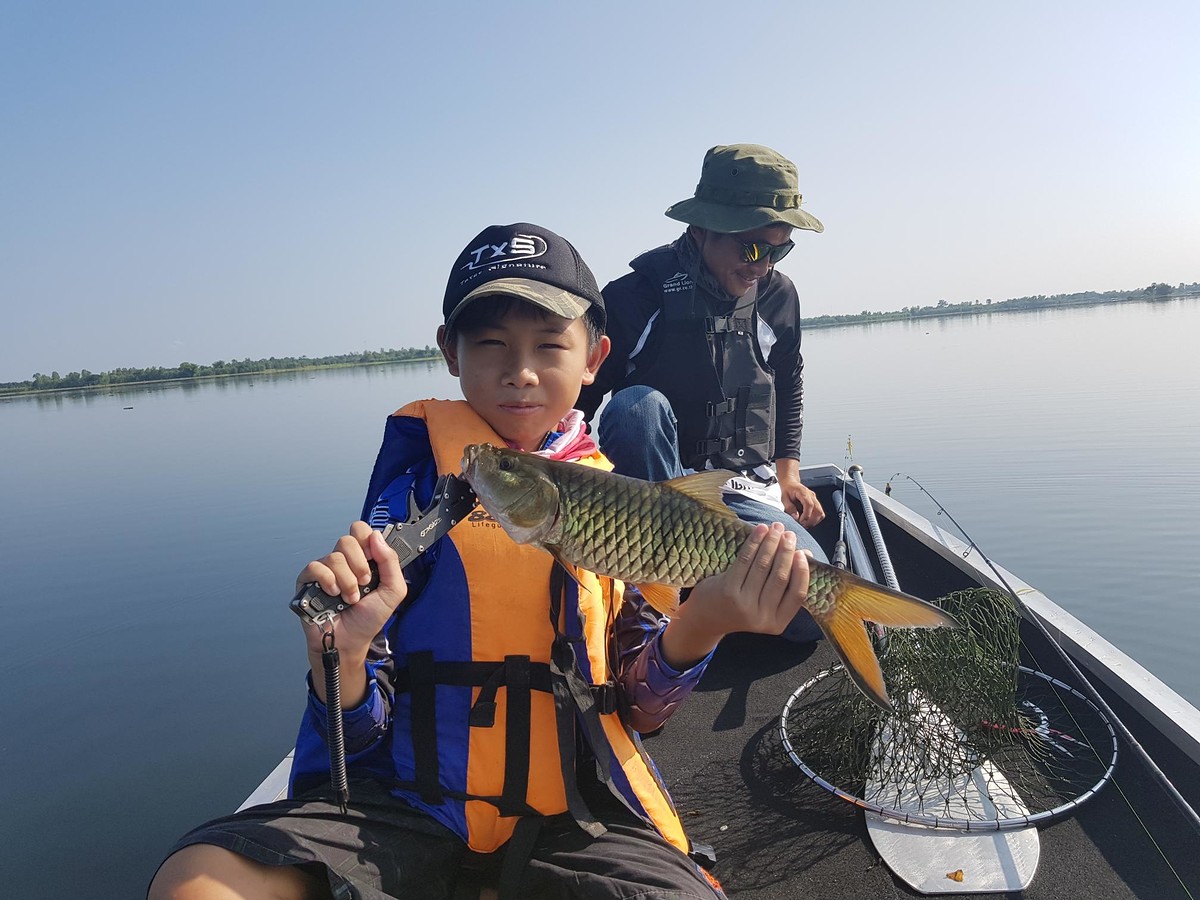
727, 325
605, 696
726, 406
715, 445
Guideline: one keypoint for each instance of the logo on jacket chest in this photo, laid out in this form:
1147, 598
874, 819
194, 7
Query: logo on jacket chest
680, 281
479, 515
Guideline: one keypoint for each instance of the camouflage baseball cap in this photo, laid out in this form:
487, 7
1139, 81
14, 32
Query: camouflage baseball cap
525, 261
743, 187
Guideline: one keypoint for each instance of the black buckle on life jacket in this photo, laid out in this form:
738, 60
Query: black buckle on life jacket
605, 696
727, 324
716, 445
723, 408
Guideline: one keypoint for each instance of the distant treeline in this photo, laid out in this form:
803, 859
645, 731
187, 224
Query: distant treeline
220, 368
974, 307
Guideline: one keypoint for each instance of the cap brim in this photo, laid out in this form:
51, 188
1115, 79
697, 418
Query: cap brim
732, 219
552, 299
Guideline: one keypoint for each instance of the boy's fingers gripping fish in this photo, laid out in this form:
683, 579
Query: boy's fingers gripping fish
663, 536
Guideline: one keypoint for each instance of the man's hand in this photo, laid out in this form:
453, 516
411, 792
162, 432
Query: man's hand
798, 501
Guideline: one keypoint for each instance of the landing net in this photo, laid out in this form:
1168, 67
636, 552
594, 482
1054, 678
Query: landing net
976, 741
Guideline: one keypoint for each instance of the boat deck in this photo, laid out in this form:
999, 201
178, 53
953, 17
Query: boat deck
778, 835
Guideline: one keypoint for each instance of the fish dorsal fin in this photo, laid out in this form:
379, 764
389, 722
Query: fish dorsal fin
705, 488
663, 597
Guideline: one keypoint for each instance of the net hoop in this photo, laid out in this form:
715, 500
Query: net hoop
970, 825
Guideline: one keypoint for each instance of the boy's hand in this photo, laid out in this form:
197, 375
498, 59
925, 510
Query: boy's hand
760, 592
341, 573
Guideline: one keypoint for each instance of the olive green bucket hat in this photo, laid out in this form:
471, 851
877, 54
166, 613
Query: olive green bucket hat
742, 187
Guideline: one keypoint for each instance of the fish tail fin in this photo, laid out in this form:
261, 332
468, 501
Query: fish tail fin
848, 637
844, 625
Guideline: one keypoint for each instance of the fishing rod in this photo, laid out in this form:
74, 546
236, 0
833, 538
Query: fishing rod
1158, 774
885, 560
839, 548
860, 560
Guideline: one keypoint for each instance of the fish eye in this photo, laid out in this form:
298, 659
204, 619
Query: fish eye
505, 464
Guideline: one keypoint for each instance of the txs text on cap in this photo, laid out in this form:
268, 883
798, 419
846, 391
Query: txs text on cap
525, 261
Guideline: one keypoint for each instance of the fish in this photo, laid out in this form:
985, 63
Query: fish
668, 535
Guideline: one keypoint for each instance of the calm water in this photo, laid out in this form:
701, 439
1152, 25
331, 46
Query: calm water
152, 674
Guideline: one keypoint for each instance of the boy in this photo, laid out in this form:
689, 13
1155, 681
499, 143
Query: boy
489, 702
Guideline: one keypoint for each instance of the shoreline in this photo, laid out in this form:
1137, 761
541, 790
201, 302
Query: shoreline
977, 308
115, 385
945, 311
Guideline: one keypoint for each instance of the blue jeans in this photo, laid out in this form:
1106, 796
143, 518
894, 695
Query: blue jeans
638, 432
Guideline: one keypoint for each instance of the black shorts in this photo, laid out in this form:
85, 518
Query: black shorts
382, 849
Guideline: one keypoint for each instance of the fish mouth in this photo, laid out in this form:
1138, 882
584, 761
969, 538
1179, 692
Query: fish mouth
513, 514
469, 461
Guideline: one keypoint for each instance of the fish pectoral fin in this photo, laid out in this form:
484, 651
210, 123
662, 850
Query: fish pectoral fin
848, 636
893, 609
706, 488
663, 597
569, 568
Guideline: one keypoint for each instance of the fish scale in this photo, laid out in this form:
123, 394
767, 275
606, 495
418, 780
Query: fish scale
824, 588
646, 533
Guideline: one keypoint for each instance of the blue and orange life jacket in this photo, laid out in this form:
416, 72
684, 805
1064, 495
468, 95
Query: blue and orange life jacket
497, 662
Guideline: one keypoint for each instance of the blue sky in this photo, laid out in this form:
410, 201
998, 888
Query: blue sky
222, 180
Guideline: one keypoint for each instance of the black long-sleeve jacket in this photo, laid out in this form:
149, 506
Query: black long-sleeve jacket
632, 302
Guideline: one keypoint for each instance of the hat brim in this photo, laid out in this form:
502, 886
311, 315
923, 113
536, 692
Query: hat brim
552, 299
732, 219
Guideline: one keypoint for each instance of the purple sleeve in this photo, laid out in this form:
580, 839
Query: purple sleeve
363, 725
651, 687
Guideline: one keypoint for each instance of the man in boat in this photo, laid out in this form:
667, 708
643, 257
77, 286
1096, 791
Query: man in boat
489, 702
705, 369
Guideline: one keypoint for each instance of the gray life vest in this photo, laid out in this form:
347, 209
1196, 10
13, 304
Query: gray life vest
710, 367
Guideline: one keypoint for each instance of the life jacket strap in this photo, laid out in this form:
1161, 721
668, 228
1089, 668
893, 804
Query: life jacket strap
516, 857
518, 722
518, 675
574, 703
423, 687
713, 445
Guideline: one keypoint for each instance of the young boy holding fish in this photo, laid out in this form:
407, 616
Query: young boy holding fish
490, 701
